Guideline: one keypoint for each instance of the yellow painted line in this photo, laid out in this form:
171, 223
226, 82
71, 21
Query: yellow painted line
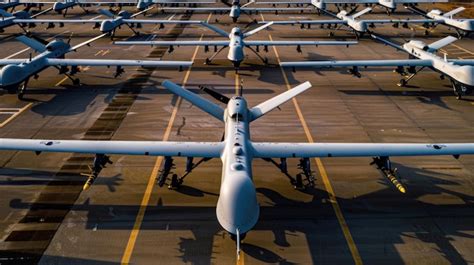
151, 180
237, 84
105, 52
322, 170
15, 115
461, 48
241, 259
62, 81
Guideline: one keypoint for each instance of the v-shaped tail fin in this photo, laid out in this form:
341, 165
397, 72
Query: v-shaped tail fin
32, 43
441, 43
253, 31
265, 107
198, 101
453, 12
362, 12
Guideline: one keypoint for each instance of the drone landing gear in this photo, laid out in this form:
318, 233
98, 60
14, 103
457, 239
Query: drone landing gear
460, 90
176, 181
74, 69
303, 179
413, 72
22, 90
209, 60
264, 60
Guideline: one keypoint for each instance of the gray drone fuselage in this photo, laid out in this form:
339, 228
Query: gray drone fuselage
466, 25
12, 75
237, 208
236, 47
463, 74
60, 6
112, 24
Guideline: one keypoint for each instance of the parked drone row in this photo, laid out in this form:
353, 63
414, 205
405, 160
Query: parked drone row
15, 75
237, 208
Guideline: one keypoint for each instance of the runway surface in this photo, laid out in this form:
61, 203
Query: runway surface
353, 215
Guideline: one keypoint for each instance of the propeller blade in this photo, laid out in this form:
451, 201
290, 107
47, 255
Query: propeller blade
218, 96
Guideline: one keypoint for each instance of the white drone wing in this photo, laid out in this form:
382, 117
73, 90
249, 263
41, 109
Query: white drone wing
459, 62
175, 43
359, 63
12, 61
296, 43
152, 148
312, 22
41, 21
99, 62
277, 150
162, 21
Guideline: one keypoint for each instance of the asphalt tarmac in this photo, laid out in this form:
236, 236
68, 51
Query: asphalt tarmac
353, 215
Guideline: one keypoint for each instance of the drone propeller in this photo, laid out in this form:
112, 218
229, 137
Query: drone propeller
213, 93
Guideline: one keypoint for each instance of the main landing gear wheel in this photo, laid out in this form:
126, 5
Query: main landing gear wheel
207, 61
175, 182
402, 83
76, 82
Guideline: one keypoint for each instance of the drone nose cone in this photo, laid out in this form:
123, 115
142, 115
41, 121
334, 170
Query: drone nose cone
236, 54
58, 6
360, 26
469, 25
107, 26
11, 75
237, 207
466, 75
234, 12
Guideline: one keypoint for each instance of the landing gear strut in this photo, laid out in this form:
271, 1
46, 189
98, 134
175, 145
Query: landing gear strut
460, 89
413, 71
306, 174
177, 181
209, 60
